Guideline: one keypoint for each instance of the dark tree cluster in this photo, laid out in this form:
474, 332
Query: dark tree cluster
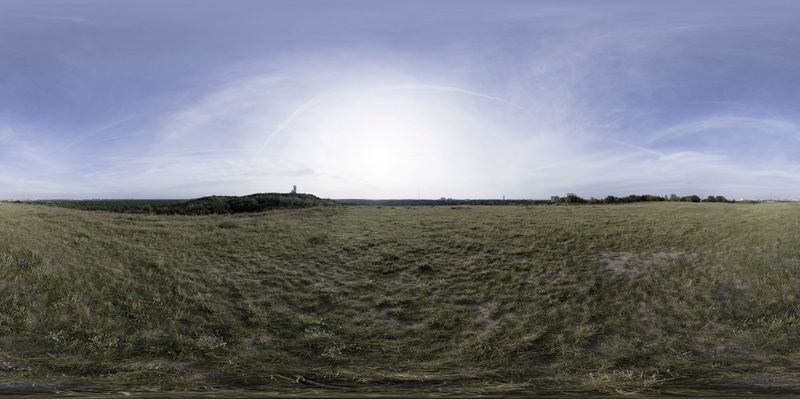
248, 203
200, 206
572, 198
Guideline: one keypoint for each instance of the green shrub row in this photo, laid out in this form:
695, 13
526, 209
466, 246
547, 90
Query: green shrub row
571, 198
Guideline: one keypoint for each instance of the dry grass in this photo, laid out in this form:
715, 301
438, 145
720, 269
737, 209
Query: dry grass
631, 298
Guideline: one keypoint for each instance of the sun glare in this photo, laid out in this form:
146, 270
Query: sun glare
378, 138
429, 140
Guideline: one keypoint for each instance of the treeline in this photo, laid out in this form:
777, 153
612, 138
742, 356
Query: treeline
440, 202
248, 203
572, 198
200, 206
268, 201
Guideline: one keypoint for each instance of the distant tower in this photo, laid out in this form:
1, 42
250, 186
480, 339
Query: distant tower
294, 189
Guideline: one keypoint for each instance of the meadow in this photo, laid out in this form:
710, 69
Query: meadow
659, 298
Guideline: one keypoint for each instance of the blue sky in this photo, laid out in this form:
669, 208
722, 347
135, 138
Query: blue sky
399, 99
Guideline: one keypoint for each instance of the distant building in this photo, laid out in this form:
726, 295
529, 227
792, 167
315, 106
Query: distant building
294, 189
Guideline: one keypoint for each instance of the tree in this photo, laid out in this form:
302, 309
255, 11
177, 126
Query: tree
572, 198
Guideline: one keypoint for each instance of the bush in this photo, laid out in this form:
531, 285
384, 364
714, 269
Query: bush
717, 198
572, 198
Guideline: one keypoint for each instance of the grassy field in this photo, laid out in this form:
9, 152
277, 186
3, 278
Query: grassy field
652, 297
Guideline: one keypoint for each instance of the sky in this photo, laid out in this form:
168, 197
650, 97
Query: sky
399, 99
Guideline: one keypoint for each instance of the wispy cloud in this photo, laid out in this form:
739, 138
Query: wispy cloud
728, 124
517, 99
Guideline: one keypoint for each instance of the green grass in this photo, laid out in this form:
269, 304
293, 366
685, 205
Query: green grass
653, 297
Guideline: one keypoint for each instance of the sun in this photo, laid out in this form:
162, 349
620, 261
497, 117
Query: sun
395, 141
380, 138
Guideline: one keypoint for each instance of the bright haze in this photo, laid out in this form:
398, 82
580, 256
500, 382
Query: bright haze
399, 99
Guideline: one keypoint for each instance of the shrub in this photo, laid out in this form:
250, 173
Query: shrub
572, 198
